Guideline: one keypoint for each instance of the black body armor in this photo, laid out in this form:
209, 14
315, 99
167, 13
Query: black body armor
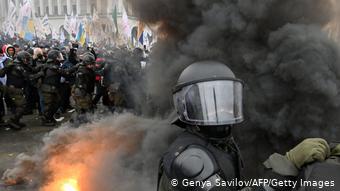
193, 158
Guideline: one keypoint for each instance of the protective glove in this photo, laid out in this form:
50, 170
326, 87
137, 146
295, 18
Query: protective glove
309, 150
336, 150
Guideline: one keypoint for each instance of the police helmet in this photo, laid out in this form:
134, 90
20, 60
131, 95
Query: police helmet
23, 57
55, 56
207, 93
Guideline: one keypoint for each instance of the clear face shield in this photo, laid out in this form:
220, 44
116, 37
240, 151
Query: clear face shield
211, 103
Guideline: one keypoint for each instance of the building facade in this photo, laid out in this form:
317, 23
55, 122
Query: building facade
57, 9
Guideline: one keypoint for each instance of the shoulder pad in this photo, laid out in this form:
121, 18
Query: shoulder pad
195, 163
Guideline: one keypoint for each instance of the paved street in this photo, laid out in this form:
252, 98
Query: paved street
13, 143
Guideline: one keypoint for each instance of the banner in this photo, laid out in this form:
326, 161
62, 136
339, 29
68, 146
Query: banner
81, 35
140, 32
29, 31
125, 23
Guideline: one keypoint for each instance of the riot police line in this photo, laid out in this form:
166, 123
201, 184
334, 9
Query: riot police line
55, 79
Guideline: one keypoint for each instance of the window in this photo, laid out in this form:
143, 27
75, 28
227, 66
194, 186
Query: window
38, 13
65, 9
46, 11
55, 10
74, 9
93, 7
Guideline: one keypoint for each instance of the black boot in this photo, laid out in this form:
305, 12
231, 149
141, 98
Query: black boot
21, 124
48, 122
14, 124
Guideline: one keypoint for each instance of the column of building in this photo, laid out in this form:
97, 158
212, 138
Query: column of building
88, 7
69, 7
42, 9
110, 6
17, 6
50, 7
3, 14
78, 4
59, 7
33, 7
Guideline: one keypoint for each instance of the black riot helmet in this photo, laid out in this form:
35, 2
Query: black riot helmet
208, 94
89, 59
23, 57
55, 56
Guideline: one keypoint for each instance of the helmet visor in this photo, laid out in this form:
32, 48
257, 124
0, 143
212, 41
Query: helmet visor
211, 103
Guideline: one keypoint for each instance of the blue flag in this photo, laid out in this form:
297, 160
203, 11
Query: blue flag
141, 38
80, 32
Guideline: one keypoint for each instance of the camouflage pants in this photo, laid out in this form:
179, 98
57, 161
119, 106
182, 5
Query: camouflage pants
83, 105
51, 104
82, 101
17, 97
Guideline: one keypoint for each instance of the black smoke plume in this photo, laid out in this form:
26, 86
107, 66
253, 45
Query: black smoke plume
278, 47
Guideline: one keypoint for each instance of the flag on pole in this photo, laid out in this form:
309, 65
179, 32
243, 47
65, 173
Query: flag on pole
114, 18
45, 21
11, 11
81, 35
11, 30
26, 9
141, 39
10, 21
62, 36
125, 23
95, 15
45, 25
67, 25
141, 27
54, 34
29, 32
23, 26
74, 23
140, 33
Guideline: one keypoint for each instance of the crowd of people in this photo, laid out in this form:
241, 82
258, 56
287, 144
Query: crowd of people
50, 79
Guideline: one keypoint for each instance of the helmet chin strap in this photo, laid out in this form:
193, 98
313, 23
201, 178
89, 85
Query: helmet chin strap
215, 134
220, 137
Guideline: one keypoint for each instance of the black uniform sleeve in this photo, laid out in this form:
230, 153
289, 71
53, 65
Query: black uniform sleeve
67, 72
4, 71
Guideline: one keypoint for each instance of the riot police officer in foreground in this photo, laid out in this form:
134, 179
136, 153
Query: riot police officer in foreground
17, 79
51, 80
208, 101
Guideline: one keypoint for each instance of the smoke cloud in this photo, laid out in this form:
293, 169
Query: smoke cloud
279, 48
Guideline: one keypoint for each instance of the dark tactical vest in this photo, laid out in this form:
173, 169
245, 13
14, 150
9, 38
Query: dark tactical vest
193, 157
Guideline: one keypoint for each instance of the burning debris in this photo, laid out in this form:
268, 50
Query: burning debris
114, 153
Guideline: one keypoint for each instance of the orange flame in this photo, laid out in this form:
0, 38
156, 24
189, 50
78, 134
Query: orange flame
70, 185
70, 166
